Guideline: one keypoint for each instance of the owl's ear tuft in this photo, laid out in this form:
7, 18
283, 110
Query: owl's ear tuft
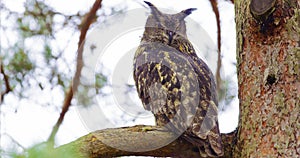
149, 4
154, 10
186, 12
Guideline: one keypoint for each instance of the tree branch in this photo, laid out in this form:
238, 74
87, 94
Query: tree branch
214, 5
94, 145
87, 21
6, 81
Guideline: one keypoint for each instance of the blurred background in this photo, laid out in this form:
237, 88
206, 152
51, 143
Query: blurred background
39, 46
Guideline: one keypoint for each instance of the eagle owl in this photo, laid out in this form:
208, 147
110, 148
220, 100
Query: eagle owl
175, 84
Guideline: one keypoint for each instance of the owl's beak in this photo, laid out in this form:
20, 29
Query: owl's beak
170, 34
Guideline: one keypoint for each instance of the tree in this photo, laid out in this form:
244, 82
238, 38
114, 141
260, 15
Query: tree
268, 55
268, 58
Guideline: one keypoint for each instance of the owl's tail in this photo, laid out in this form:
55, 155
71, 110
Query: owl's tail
209, 147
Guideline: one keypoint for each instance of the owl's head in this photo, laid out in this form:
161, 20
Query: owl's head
165, 27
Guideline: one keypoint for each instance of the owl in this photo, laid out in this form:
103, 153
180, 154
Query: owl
175, 84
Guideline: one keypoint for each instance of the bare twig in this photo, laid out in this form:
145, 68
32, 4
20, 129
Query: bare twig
6, 82
14, 141
87, 21
214, 5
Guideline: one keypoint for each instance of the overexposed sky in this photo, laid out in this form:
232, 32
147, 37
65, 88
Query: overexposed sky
33, 123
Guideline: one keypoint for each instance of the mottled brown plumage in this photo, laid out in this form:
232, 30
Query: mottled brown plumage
175, 84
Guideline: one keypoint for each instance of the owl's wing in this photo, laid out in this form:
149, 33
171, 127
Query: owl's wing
204, 131
165, 83
179, 92
205, 124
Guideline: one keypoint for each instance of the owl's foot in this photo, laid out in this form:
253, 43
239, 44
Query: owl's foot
147, 128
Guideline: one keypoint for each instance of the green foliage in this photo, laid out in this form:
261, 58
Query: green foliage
20, 62
48, 53
37, 19
101, 80
227, 93
86, 91
43, 150
25, 61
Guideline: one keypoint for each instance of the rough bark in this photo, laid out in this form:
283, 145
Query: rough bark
134, 138
268, 55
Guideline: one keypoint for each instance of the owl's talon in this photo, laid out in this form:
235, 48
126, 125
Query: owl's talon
146, 129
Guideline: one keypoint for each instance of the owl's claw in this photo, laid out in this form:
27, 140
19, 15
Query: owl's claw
146, 129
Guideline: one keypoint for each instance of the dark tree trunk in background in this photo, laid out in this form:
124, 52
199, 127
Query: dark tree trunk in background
268, 55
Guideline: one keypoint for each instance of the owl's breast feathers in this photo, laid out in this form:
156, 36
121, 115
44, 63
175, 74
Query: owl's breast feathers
179, 89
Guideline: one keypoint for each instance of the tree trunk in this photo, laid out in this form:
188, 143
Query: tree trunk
268, 55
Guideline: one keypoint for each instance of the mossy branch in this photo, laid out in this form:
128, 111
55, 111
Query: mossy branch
134, 141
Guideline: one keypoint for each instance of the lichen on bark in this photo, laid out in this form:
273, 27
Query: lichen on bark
269, 88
